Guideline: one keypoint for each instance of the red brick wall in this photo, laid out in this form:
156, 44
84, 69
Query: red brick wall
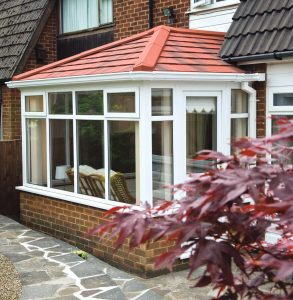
131, 17
260, 88
48, 40
11, 114
69, 222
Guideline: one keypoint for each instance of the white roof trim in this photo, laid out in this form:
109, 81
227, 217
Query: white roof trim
129, 76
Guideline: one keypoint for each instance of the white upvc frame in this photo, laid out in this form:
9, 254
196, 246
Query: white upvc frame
202, 5
272, 110
37, 113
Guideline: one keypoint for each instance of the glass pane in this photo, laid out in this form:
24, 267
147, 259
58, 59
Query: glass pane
124, 161
36, 151
239, 103
91, 177
286, 153
121, 102
285, 99
201, 130
162, 102
61, 142
106, 11
34, 103
162, 159
239, 128
60, 103
90, 103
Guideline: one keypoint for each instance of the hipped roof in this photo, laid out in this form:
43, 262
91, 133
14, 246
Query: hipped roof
21, 23
259, 27
159, 49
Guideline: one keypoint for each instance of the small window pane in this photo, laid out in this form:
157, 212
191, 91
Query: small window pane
162, 102
124, 161
36, 152
34, 104
239, 103
90, 103
61, 142
239, 128
60, 103
162, 159
283, 99
121, 102
201, 127
91, 177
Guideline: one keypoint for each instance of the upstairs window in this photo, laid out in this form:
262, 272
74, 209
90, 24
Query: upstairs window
85, 14
202, 3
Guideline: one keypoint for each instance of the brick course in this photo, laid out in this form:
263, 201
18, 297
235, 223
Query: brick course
69, 222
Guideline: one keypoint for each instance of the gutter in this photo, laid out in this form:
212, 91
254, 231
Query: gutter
274, 55
139, 76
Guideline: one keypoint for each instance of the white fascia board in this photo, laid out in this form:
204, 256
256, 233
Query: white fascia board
138, 76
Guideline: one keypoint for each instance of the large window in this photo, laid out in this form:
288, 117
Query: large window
85, 14
80, 146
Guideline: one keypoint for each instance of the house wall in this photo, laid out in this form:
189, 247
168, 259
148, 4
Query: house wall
218, 19
69, 222
131, 17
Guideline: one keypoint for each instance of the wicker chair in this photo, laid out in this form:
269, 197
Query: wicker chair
84, 183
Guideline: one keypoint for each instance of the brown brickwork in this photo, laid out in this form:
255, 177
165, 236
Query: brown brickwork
70, 221
260, 88
131, 17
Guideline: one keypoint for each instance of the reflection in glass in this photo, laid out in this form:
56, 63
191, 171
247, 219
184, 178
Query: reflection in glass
89, 103
34, 103
124, 161
61, 142
285, 99
60, 103
162, 159
121, 102
201, 130
91, 177
239, 101
36, 151
162, 102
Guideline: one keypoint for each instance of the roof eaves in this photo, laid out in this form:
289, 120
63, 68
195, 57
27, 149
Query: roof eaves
82, 55
152, 51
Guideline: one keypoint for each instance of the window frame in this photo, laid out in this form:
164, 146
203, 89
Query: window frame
74, 196
272, 110
61, 31
210, 4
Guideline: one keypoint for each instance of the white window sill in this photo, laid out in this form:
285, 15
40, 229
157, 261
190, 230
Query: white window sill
73, 198
213, 7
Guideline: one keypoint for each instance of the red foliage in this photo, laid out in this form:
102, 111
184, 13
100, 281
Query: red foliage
224, 234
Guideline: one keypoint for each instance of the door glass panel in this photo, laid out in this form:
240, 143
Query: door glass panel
34, 103
121, 102
124, 161
90, 103
91, 176
162, 160
201, 130
36, 152
60, 103
61, 142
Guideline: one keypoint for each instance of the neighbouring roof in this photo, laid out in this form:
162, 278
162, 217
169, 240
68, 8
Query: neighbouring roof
159, 49
260, 27
21, 23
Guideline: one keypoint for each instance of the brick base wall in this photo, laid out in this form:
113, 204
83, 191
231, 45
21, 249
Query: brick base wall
69, 222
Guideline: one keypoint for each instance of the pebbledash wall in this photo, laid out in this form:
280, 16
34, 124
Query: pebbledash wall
70, 222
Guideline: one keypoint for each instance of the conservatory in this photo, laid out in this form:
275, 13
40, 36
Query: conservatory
121, 122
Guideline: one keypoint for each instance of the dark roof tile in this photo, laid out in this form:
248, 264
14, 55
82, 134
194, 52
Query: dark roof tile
259, 27
19, 21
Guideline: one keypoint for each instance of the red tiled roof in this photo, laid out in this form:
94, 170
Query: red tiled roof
159, 49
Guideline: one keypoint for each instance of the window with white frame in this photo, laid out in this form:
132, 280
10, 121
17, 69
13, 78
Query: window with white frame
85, 14
281, 106
239, 115
203, 3
84, 142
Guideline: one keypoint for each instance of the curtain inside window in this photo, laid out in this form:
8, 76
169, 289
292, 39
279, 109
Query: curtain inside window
106, 12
